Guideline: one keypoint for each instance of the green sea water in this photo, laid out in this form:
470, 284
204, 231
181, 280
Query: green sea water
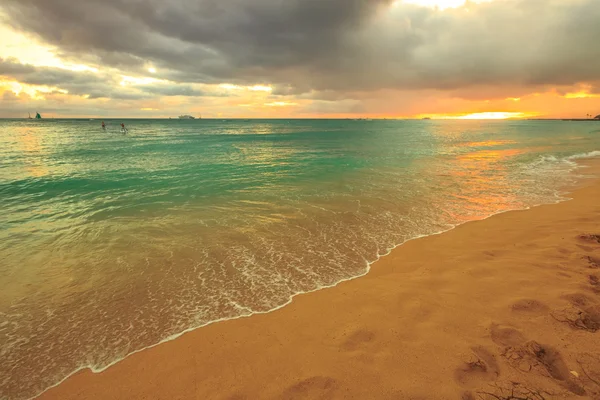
111, 242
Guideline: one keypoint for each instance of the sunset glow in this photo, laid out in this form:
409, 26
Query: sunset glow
365, 82
582, 94
497, 115
260, 88
280, 104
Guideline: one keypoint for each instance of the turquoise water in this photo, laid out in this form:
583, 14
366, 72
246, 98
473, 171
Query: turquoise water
111, 243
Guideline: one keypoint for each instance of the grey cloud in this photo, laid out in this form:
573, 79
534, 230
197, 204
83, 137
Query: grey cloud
10, 97
327, 45
202, 40
94, 85
171, 90
333, 107
77, 83
116, 94
140, 92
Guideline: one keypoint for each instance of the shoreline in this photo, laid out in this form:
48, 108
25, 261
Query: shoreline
85, 376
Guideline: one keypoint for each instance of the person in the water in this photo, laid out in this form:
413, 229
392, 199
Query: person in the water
123, 127
103, 126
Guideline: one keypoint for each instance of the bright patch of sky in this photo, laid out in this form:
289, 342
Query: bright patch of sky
441, 4
27, 51
132, 80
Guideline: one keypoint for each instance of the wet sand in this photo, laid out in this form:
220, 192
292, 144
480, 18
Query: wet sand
506, 305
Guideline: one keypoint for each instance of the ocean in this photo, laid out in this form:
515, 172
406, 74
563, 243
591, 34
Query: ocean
111, 243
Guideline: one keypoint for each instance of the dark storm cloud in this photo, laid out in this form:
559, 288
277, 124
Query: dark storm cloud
336, 45
249, 33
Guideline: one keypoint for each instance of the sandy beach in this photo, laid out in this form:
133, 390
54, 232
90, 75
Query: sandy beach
507, 306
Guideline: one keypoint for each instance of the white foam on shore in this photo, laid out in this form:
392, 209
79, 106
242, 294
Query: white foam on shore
560, 197
591, 154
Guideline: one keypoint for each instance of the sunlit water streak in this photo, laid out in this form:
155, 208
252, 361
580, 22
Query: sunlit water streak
110, 243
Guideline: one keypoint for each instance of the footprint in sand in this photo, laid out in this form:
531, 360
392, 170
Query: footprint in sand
587, 242
533, 357
589, 366
316, 387
586, 319
564, 251
482, 368
593, 262
579, 299
512, 391
587, 249
590, 238
564, 274
506, 336
530, 307
554, 364
544, 360
594, 281
583, 314
358, 340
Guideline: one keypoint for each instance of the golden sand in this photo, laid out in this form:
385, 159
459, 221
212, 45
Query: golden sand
506, 305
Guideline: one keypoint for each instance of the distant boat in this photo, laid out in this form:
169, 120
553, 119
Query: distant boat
30, 116
188, 117
38, 116
426, 118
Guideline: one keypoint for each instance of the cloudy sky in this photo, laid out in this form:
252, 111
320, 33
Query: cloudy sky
300, 58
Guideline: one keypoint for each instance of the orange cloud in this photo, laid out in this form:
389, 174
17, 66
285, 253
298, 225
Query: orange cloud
583, 93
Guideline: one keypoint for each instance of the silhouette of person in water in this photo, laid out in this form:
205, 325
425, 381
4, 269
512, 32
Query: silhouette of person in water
103, 126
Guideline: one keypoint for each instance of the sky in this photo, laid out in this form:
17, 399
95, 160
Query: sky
300, 58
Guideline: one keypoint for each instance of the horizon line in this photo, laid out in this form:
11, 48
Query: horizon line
313, 118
